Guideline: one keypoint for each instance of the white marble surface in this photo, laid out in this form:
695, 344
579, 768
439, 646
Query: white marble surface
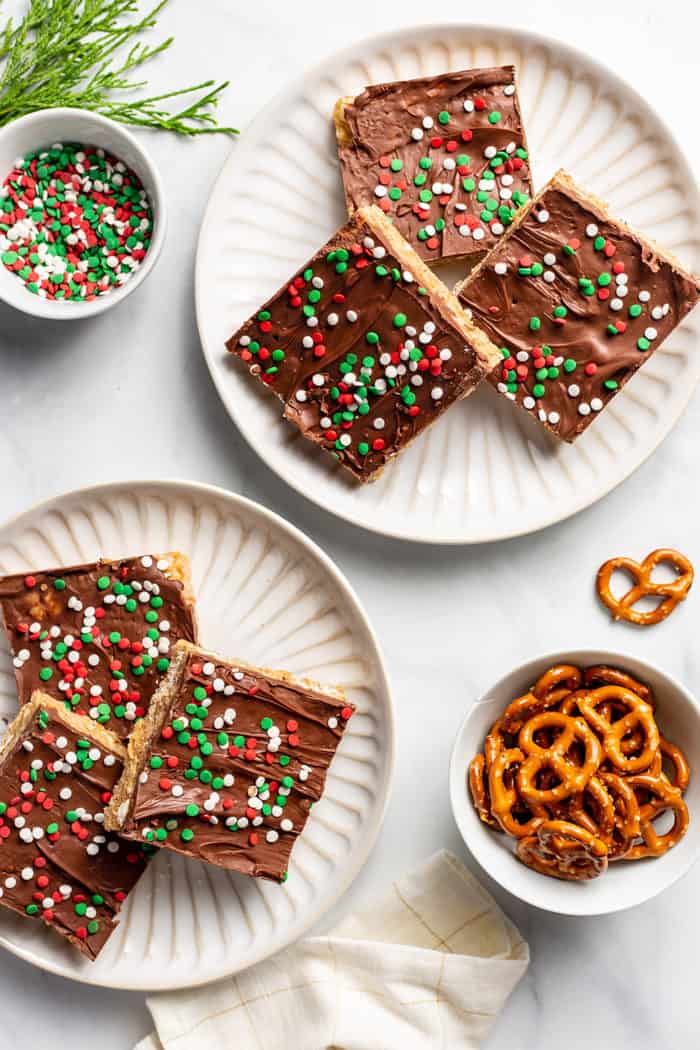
128, 395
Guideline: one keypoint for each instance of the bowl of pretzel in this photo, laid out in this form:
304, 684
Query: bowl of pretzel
572, 783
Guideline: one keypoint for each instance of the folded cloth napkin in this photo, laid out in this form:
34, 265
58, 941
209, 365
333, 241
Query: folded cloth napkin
428, 967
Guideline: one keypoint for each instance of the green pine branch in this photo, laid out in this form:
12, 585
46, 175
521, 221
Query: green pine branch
66, 53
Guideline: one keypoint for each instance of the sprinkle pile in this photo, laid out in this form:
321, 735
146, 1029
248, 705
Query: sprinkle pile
75, 222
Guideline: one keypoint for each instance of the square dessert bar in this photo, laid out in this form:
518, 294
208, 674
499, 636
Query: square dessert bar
446, 157
227, 763
577, 302
57, 861
364, 346
98, 636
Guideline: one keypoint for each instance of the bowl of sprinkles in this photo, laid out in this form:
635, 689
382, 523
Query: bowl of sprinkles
82, 216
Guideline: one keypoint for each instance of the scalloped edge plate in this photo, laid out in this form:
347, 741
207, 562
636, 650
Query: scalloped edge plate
486, 472
242, 556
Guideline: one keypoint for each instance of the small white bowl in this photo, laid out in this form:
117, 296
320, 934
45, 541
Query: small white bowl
45, 127
624, 884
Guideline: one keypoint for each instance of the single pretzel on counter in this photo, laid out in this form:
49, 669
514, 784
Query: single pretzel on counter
670, 593
563, 850
577, 771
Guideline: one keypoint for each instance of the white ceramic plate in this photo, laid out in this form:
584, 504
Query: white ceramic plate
266, 592
624, 884
484, 472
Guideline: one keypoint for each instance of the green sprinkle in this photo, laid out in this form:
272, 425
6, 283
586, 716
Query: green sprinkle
103, 583
443, 117
535, 324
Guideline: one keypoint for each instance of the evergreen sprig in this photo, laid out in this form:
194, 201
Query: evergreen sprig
65, 53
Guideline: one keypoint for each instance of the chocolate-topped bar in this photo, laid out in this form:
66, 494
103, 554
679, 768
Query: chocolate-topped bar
578, 302
364, 346
228, 762
445, 157
58, 863
98, 636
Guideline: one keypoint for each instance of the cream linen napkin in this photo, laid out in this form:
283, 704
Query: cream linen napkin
428, 968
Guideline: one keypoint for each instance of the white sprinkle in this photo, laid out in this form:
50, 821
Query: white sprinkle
644, 296
427, 122
549, 276
437, 393
584, 409
417, 134
553, 418
549, 259
380, 191
301, 395
596, 404
543, 215
351, 316
574, 390
591, 230
528, 402
650, 333
616, 304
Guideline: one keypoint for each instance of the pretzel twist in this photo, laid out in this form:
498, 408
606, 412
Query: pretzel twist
638, 717
671, 593
504, 796
563, 850
664, 797
572, 778
478, 785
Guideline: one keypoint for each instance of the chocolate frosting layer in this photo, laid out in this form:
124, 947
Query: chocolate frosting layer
358, 351
57, 862
240, 758
577, 302
445, 157
97, 636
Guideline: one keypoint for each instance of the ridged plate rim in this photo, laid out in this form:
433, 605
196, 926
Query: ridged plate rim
214, 352
358, 858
